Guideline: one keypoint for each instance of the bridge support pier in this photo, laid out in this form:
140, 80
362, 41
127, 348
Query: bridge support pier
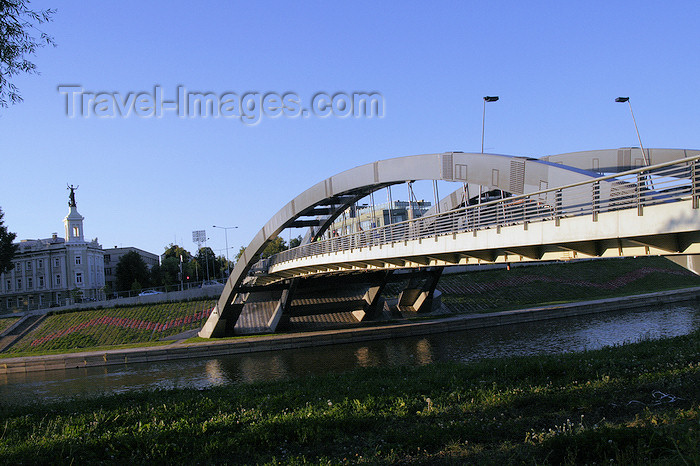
222, 325
280, 318
418, 295
372, 298
687, 261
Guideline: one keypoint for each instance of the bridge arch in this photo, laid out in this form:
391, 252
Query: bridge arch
319, 205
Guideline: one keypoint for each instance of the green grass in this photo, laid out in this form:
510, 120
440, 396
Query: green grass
633, 404
140, 325
7, 322
18, 354
521, 287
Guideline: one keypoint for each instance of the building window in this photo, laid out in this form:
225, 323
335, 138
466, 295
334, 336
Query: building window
79, 278
108, 271
9, 285
76, 232
57, 262
107, 259
30, 283
58, 280
29, 266
40, 263
41, 282
19, 284
77, 260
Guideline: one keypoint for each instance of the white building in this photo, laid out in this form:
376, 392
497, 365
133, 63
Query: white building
55, 271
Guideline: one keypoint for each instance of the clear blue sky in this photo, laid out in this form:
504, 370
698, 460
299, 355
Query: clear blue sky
147, 182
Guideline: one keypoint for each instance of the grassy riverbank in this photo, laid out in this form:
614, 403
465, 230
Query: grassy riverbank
143, 325
638, 403
533, 285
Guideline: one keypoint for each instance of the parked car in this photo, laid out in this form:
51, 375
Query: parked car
210, 283
149, 292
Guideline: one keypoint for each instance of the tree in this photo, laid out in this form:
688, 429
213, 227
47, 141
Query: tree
206, 261
276, 245
167, 273
222, 266
131, 268
273, 247
18, 29
7, 247
294, 242
173, 250
240, 253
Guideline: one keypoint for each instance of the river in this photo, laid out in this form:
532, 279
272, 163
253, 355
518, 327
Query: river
552, 336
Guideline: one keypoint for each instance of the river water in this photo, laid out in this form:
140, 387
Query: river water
552, 336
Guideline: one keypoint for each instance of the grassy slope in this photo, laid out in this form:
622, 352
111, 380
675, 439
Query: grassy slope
520, 287
134, 325
7, 322
635, 404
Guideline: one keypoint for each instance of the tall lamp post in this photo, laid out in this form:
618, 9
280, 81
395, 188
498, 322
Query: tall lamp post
488, 98
641, 147
226, 229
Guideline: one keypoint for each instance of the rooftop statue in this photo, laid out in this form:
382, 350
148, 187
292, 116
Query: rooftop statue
71, 196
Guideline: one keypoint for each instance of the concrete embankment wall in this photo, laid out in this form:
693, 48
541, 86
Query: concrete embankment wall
207, 292
323, 338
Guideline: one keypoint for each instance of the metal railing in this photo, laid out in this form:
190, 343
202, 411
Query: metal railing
667, 182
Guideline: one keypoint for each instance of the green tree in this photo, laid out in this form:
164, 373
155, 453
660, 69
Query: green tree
131, 268
7, 247
173, 250
136, 287
273, 247
294, 242
206, 261
166, 274
18, 40
222, 266
240, 253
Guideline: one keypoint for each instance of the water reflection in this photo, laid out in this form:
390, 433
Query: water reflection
553, 336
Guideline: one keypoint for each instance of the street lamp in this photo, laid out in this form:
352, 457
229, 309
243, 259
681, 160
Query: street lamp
488, 98
627, 99
226, 229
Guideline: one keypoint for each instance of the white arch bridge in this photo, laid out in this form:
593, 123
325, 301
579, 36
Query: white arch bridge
578, 205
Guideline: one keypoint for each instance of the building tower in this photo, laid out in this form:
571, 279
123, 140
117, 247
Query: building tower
73, 221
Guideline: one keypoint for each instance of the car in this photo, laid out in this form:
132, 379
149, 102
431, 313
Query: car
210, 283
150, 292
